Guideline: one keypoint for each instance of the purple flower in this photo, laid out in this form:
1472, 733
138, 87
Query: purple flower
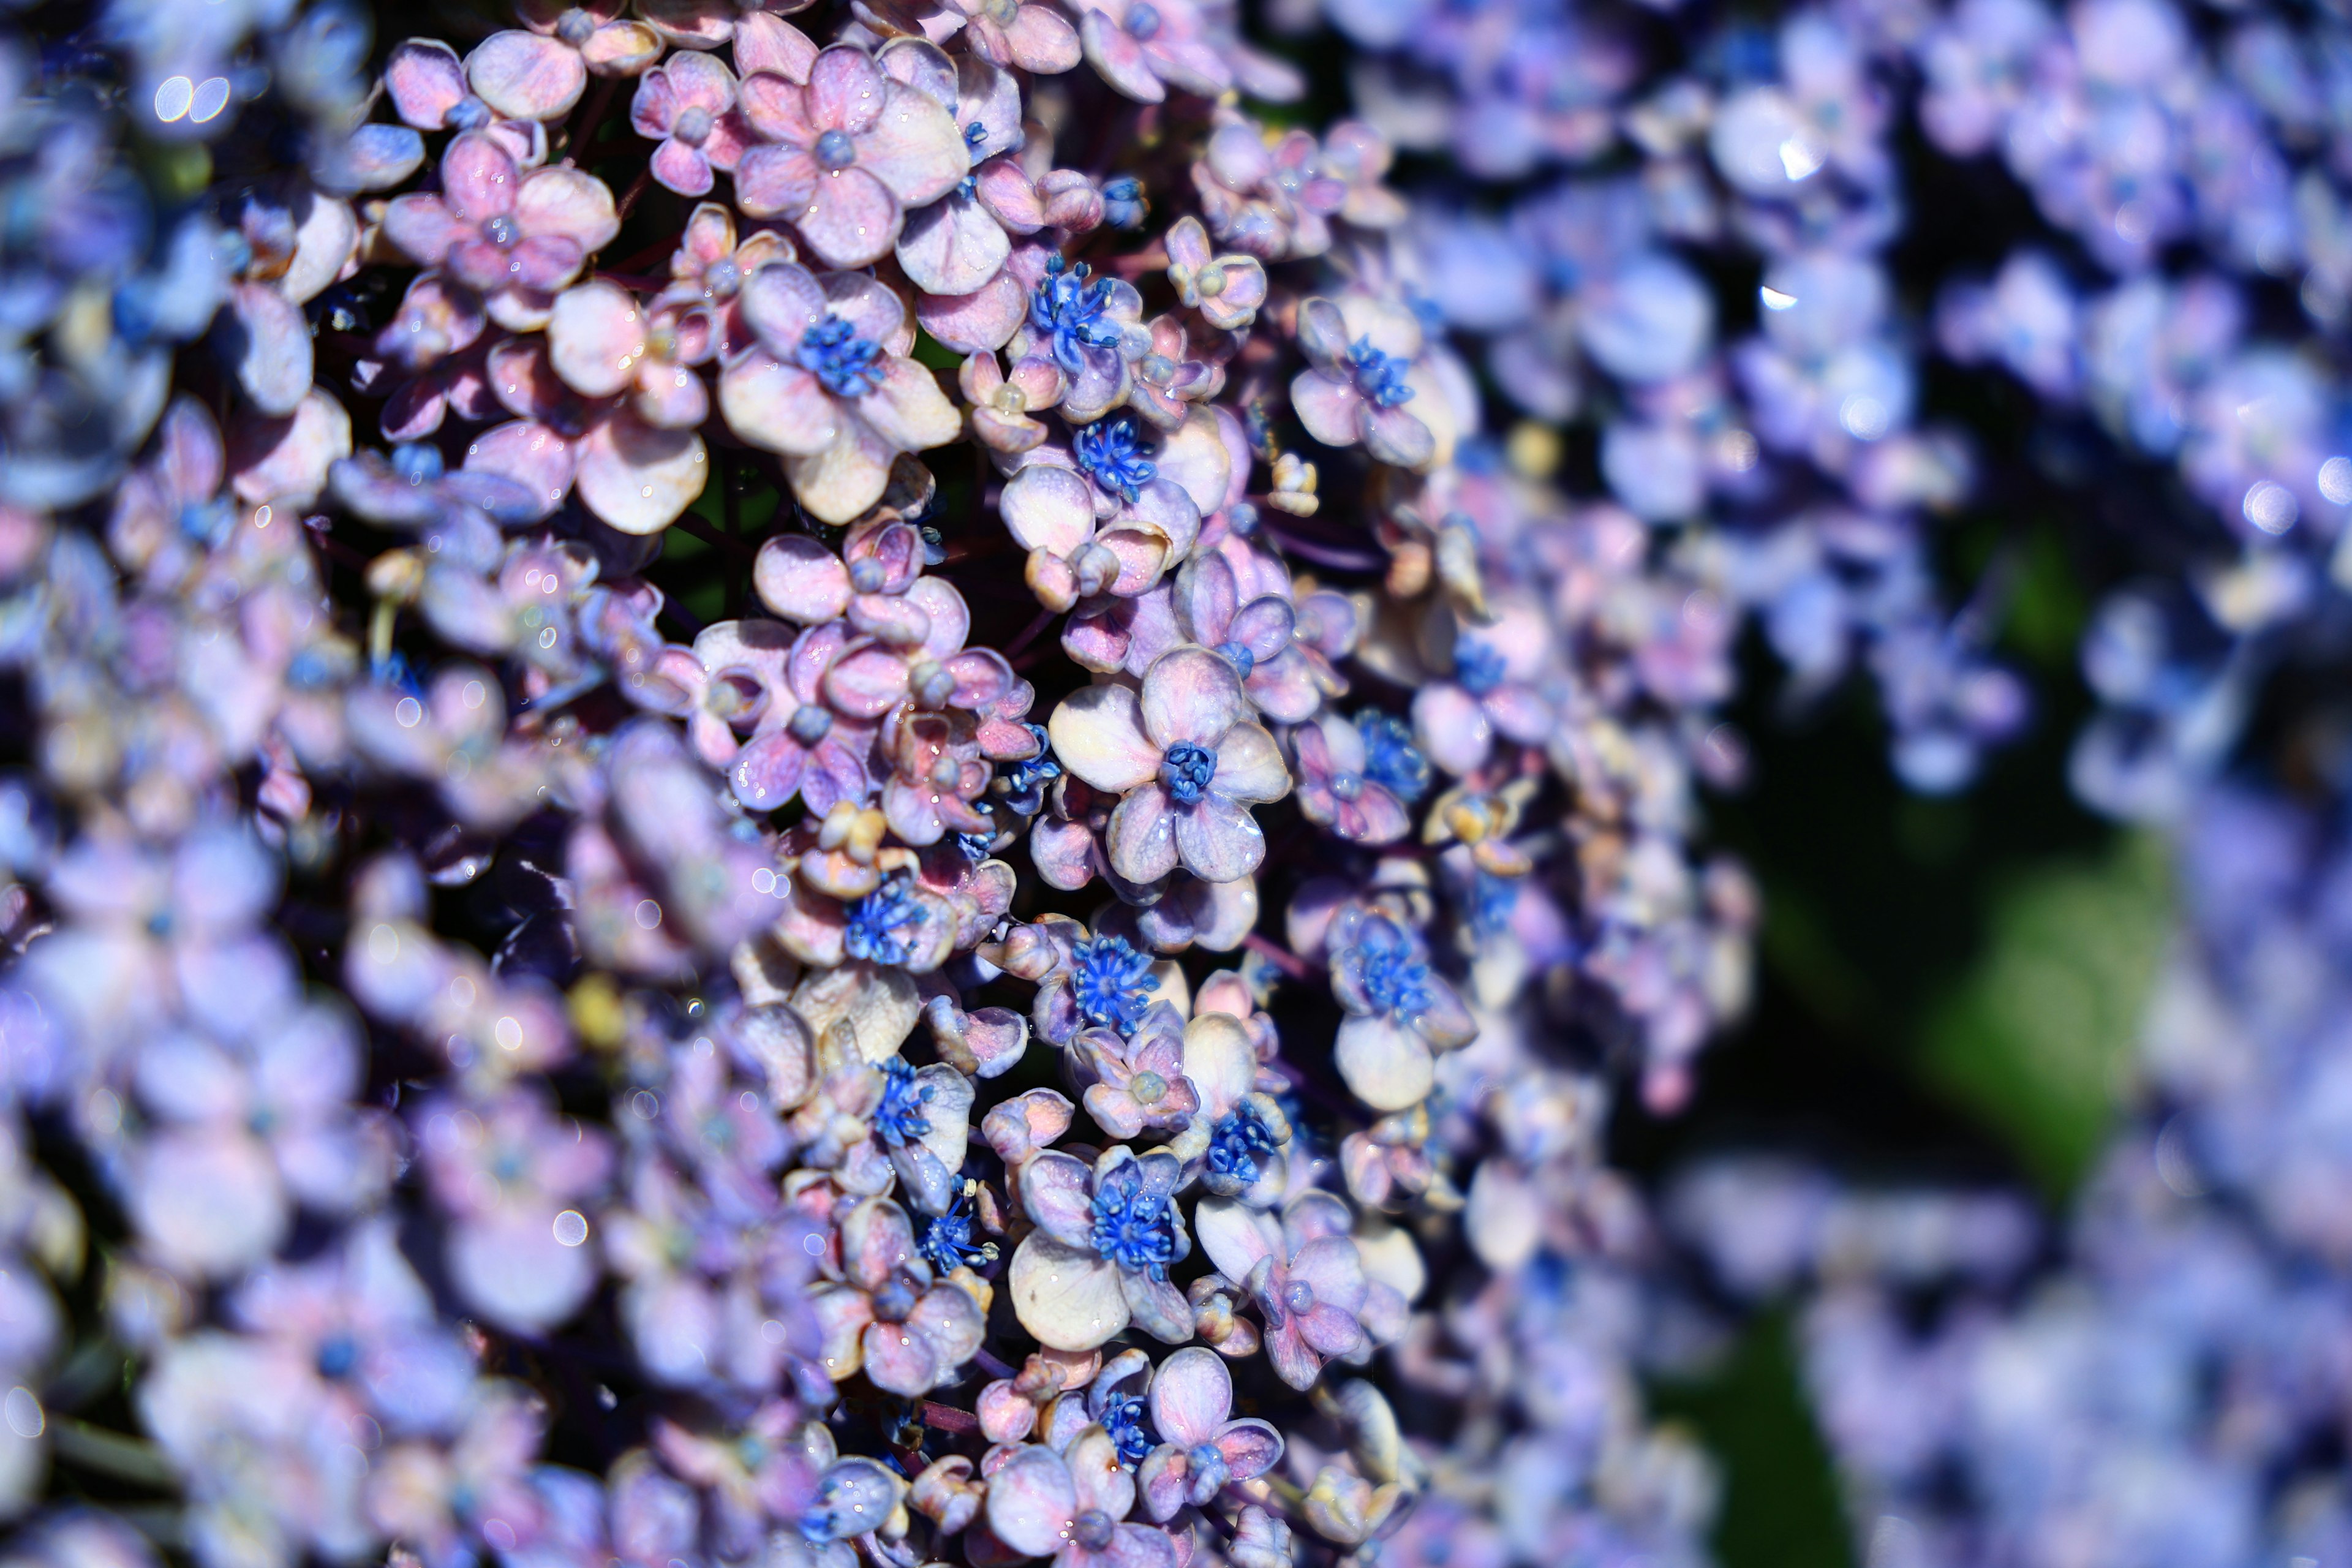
1305, 1278
844, 156
1144, 47
1186, 758
1098, 1259
1337, 786
1201, 1449
508, 1170
689, 106
1140, 1082
1400, 1011
1357, 387
513, 236
887, 1317
1072, 1507
1494, 691
828, 385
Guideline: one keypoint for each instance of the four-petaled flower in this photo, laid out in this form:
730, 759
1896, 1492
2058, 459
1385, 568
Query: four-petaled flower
1098, 1259
888, 1317
688, 105
1072, 1507
844, 156
1188, 761
1357, 387
1400, 1011
828, 385
515, 237
1201, 1449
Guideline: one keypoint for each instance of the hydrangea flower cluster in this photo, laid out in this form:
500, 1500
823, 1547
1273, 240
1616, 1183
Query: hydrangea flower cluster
808, 785
900, 780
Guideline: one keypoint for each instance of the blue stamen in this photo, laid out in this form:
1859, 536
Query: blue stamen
899, 1117
1389, 968
1237, 1142
1134, 1230
877, 923
1123, 1419
1391, 759
1107, 452
1111, 982
1379, 377
1069, 310
1185, 771
947, 1244
1478, 669
848, 365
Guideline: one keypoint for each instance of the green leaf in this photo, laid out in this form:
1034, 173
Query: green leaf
1780, 1505
2037, 1039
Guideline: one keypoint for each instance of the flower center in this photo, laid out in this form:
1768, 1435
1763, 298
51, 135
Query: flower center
809, 723
722, 278
337, 1356
1186, 770
468, 113
1123, 1419
1003, 13
895, 1302
1236, 1140
899, 1117
1347, 786
1107, 452
1379, 377
1210, 1471
1391, 759
501, 231
1133, 1229
866, 574
1110, 982
1143, 20
848, 365
575, 26
1070, 310
1148, 1086
835, 151
1092, 1528
1390, 970
692, 125
1239, 656
880, 926
1478, 667
1297, 1297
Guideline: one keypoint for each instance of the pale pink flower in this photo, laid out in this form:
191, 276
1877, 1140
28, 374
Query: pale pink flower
1307, 1279
540, 73
844, 156
1144, 47
637, 475
688, 106
513, 236
1202, 1449
1072, 1507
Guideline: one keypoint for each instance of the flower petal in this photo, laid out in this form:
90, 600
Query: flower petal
1141, 838
1098, 734
1055, 1190
1191, 695
1030, 1501
1068, 1298
1218, 840
915, 147
778, 407
800, 579
952, 247
525, 77
851, 220
638, 476
1386, 1065
1192, 1397
595, 336
1249, 767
